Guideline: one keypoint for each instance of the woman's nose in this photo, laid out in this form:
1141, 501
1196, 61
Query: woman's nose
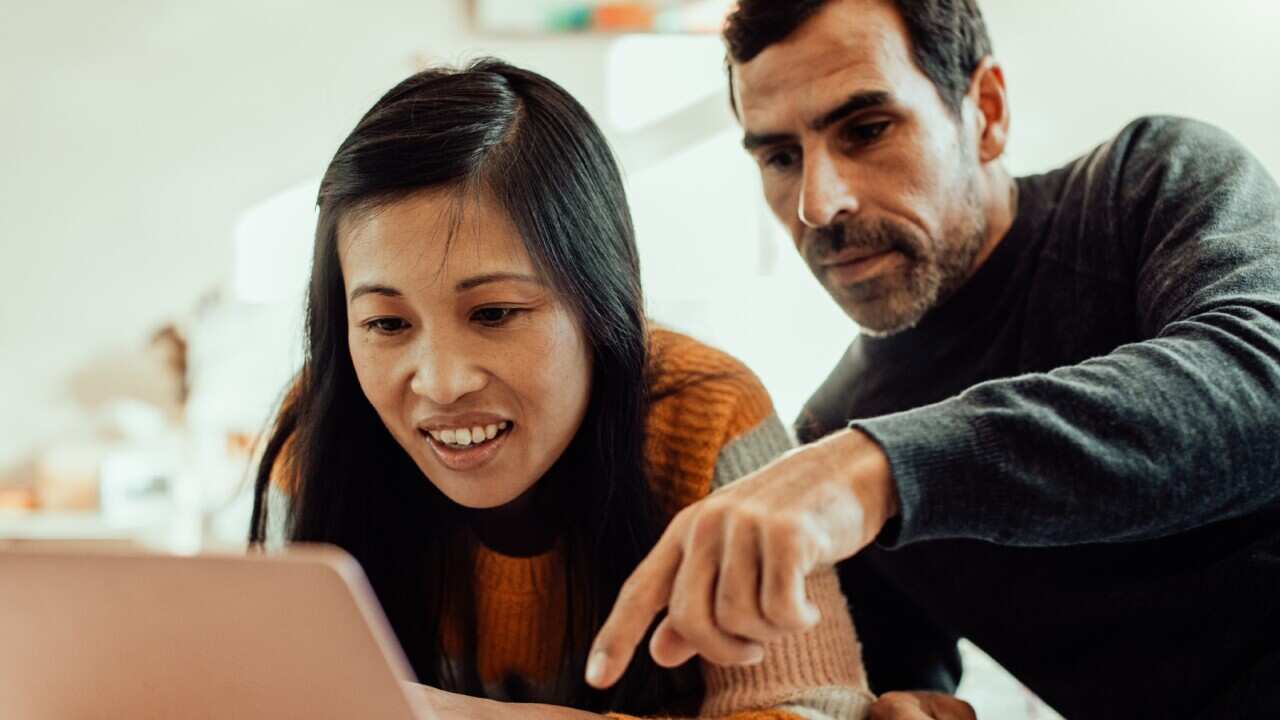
445, 376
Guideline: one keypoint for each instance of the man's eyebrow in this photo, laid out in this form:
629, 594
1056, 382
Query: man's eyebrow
374, 289
751, 140
853, 104
478, 280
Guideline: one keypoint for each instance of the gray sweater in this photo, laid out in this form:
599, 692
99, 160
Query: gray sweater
1086, 442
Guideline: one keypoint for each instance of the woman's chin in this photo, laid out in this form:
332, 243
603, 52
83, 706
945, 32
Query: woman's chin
475, 493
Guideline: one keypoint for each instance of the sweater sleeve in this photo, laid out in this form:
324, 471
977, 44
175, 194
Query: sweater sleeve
815, 675
1170, 433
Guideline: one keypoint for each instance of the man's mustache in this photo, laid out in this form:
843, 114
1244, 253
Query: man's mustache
877, 236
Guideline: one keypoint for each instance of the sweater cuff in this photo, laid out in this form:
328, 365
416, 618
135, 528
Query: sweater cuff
938, 455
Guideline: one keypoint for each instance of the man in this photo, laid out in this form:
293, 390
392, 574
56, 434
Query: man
1058, 433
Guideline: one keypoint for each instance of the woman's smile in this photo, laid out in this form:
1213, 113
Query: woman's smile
466, 449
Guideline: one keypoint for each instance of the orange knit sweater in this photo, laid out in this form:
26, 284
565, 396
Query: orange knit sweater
702, 437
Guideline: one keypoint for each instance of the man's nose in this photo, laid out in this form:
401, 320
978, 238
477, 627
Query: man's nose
445, 376
824, 192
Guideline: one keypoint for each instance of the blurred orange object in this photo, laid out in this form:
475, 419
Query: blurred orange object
17, 498
240, 444
622, 16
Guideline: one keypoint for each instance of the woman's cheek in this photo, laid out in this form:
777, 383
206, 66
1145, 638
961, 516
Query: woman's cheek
369, 374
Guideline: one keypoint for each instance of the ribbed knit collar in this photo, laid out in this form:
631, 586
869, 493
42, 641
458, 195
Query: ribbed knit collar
517, 575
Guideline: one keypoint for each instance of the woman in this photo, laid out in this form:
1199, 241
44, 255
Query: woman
486, 422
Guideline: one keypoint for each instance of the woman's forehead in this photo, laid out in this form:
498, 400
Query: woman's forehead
430, 237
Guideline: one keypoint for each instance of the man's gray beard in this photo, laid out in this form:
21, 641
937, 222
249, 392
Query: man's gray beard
930, 284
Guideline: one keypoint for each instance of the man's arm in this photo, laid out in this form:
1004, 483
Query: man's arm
1159, 436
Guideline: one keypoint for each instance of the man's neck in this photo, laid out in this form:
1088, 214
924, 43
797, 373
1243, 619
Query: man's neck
999, 195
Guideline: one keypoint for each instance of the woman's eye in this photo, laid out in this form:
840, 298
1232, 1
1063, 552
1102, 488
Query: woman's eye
386, 326
493, 316
866, 132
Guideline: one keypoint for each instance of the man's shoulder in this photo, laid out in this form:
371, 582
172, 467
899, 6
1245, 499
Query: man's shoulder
1172, 131
1164, 150
1153, 164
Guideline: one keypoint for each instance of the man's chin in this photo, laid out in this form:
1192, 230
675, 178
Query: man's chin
886, 315
879, 328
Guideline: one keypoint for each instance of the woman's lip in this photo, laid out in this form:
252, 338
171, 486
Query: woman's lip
453, 422
469, 458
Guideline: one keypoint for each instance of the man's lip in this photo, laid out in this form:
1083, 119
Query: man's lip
863, 269
851, 256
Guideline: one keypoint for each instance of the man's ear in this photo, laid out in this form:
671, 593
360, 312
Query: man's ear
987, 93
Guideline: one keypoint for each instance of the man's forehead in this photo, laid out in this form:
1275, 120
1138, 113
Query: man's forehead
850, 46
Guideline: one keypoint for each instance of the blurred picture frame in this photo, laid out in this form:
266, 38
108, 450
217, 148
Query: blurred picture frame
553, 17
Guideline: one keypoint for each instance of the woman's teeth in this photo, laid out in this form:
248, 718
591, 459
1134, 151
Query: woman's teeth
466, 437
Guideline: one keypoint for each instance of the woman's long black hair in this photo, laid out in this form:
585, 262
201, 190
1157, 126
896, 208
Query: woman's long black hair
516, 135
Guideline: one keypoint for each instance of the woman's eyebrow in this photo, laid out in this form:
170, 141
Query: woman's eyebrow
374, 289
478, 280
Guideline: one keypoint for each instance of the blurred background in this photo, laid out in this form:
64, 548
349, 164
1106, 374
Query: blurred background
159, 161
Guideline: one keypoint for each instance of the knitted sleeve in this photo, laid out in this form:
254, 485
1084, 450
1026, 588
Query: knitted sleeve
813, 675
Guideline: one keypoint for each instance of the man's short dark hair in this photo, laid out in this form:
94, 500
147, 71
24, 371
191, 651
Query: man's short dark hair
948, 37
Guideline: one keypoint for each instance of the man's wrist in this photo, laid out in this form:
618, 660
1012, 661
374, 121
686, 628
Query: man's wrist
863, 468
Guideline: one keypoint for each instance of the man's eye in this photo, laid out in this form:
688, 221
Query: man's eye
784, 159
866, 132
494, 316
386, 326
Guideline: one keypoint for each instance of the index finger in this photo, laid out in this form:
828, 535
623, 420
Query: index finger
641, 598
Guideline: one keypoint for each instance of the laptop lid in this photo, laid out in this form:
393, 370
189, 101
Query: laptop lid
296, 634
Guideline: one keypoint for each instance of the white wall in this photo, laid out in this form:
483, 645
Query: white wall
1078, 70
134, 134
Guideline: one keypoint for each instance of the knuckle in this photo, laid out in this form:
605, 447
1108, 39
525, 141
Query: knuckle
732, 617
706, 528
752, 513
683, 517
781, 612
784, 531
682, 617
769, 607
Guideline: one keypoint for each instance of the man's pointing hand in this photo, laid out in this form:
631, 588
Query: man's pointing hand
730, 570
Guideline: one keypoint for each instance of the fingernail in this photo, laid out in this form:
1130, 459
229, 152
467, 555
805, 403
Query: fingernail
596, 667
756, 656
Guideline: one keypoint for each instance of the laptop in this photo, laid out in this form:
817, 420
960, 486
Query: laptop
298, 634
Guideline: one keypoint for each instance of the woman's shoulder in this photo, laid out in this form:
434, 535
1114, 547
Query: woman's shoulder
690, 374
711, 420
